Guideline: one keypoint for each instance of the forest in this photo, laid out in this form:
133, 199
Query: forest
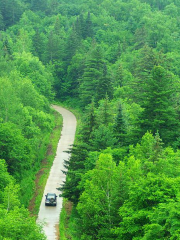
117, 63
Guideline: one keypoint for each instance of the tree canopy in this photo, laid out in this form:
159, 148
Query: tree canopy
117, 62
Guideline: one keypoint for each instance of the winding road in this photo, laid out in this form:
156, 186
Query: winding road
48, 215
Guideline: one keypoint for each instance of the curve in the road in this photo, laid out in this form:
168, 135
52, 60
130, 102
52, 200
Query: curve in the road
48, 215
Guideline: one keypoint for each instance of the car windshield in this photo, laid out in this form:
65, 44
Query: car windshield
49, 196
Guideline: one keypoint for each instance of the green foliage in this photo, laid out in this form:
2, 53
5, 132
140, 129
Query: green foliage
30, 67
14, 149
159, 114
18, 223
76, 169
99, 199
14, 220
92, 77
11, 11
119, 60
102, 137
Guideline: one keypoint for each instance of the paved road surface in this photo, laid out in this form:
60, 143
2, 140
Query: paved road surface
47, 214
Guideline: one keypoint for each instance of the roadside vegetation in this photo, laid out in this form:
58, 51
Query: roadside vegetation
42, 174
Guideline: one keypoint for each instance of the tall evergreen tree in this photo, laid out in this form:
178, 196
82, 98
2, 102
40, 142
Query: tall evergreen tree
93, 73
159, 114
143, 66
90, 122
119, 126
88, 31
105, 112
72, 44
38, 44
76, 169
104, 87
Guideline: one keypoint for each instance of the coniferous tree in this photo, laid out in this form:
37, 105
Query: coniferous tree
119, 78
119, 127
159, 114
105, 112
80, 26
57, 26
104, 87
76, 169
90, 122
38, 44
142, 71
88, 27
92, 76
72, 44
6, 48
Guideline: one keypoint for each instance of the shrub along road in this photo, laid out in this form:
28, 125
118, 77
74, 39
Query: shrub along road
49, 215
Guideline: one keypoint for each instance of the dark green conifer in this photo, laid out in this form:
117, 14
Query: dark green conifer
76, 169
119, 126
104, 87
92, 76
159, 113
88, 31
38, 44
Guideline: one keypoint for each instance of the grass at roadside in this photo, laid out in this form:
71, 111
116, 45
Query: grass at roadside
43, 173
62, 222
67, 227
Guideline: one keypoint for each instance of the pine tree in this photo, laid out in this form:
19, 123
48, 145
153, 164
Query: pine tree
105, 112
120, 76
72, 44
57, 26
38, 44
142, 71
80, 26
76, 169
92, 76
119, 126
54, 47
88, 31
90, 122
104, 87
159, 114
6, 48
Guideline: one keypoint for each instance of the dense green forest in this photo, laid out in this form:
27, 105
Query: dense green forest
117, 62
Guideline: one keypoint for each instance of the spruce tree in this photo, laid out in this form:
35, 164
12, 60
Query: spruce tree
89, 122
72, 44
88, 31
38, 44
159, 113
75, 170
119, 126
104, 87
92, 76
